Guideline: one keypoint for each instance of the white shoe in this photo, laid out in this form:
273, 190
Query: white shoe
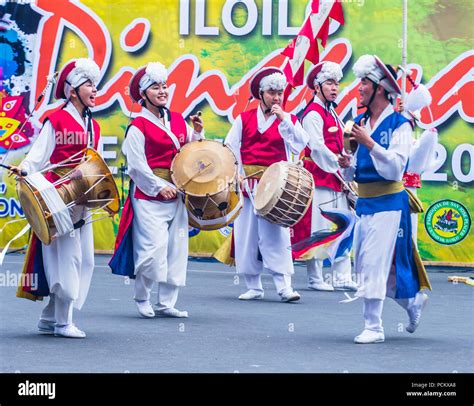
321, 286
345, 286
289, 295
370, 337
414, 312
251, 295
173, 313
46, 326
145, 309
69, 331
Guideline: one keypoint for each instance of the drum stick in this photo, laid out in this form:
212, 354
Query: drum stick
253, 174
197, 174
17, 171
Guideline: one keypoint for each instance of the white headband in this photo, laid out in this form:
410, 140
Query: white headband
84, 69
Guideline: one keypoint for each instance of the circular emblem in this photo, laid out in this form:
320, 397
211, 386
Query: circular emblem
447, 222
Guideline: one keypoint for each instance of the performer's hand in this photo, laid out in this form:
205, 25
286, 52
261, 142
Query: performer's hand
344, 161
14, 170
278, 111
167, 193
198, 124
360, 135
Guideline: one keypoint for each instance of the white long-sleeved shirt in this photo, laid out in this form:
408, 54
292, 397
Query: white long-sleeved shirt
389, 163
294, 136
40, 152
423, 152
313, 123
134, 149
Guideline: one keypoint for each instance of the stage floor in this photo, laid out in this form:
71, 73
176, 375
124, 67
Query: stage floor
226, 335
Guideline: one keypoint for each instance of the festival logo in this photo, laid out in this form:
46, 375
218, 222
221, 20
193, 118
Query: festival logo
447, 222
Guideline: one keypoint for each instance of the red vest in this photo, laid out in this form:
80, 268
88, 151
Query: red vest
159, 148
261, 149
70, 138
334, 142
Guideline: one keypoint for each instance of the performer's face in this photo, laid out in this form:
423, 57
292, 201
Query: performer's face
272, 97
87, 91
158, 94
330, 89
366, 88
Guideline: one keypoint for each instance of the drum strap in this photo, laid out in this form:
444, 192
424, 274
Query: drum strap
170, 134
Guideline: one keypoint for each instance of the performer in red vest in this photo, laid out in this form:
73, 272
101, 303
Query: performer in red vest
152, 241
321, 158
64, 268
259, 138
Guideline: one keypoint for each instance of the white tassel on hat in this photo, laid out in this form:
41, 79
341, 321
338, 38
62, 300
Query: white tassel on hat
329, 71
418, 99
366, 67
155, 72
84, 69
275, 81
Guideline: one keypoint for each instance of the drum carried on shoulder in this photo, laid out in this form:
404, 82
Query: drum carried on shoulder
84, 179
284, 193
206, 172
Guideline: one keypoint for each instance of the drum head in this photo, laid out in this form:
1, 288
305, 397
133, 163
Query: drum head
33, 211
204, 167
270, 187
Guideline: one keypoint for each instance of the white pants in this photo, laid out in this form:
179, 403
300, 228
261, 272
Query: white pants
69, 263
282, 282
253, 234
375, 236
326, 199
160, 240
167, 293
58, 311
373, 311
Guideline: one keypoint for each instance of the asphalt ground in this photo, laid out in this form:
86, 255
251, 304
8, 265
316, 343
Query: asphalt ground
226, 335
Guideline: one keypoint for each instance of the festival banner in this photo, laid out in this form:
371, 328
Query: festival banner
211, 49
